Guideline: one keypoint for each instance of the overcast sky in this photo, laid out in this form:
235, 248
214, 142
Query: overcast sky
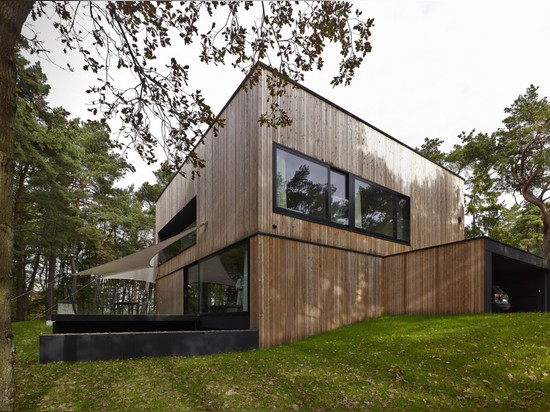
437, 68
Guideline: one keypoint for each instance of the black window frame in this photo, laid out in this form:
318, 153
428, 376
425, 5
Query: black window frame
347, 189
396, 196
350, 181
309, 159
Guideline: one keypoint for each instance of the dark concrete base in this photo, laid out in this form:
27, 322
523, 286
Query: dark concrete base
123, 323
104, 346
148, 323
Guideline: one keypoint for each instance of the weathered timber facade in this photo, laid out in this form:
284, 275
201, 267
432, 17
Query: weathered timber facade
290, 232
304, 274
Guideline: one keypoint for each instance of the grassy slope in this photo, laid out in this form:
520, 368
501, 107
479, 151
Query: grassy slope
393, 362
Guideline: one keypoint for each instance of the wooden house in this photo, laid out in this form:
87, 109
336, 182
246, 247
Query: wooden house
293, 223
292, 231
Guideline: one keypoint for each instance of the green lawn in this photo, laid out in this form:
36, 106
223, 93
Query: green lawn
394, 362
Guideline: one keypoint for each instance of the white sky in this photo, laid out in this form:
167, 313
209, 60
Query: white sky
437, 68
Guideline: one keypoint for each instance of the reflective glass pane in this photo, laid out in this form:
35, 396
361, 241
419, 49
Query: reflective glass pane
403, 219
301, 185
192, 290
224, 281
374, 208
179, 246
338, 198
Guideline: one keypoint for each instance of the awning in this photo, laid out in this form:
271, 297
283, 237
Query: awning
137, 266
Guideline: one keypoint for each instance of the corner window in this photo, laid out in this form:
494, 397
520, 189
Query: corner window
218, 284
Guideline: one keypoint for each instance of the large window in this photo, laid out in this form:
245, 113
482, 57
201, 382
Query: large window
310, 189
378, 210
219, 283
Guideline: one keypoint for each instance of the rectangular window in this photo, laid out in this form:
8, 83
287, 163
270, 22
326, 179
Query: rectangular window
185, 219
218, 284
179, 246
339, 203
403, 218
309, 189
301, 185
374, 208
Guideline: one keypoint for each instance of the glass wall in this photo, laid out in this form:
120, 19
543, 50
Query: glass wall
219, 283
192, 289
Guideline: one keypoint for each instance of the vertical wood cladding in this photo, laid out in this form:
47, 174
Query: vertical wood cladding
328, 134
226, 190
234, 191
300, 289
441, 280
169, 294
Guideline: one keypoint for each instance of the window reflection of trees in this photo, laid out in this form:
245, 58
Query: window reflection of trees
339, 209
303, 186
376, 209
179, 246
305, 196
338, 198
192, 290
228, 296
403, 219
219, 283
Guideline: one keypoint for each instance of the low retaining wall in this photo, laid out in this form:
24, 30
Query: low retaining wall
104, 346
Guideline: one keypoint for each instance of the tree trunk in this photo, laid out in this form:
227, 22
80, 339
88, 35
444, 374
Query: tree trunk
26, 298
12, 16
50, 285
545, 216
74, 283
20, 281
96, 295
19, 245
546, 237
144, 299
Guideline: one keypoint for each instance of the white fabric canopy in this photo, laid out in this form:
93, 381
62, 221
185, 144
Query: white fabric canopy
137, 266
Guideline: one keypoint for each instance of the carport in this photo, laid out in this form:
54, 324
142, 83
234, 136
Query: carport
522, 275
458, 277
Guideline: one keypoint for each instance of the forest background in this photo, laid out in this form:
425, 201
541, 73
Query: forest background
71, 211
